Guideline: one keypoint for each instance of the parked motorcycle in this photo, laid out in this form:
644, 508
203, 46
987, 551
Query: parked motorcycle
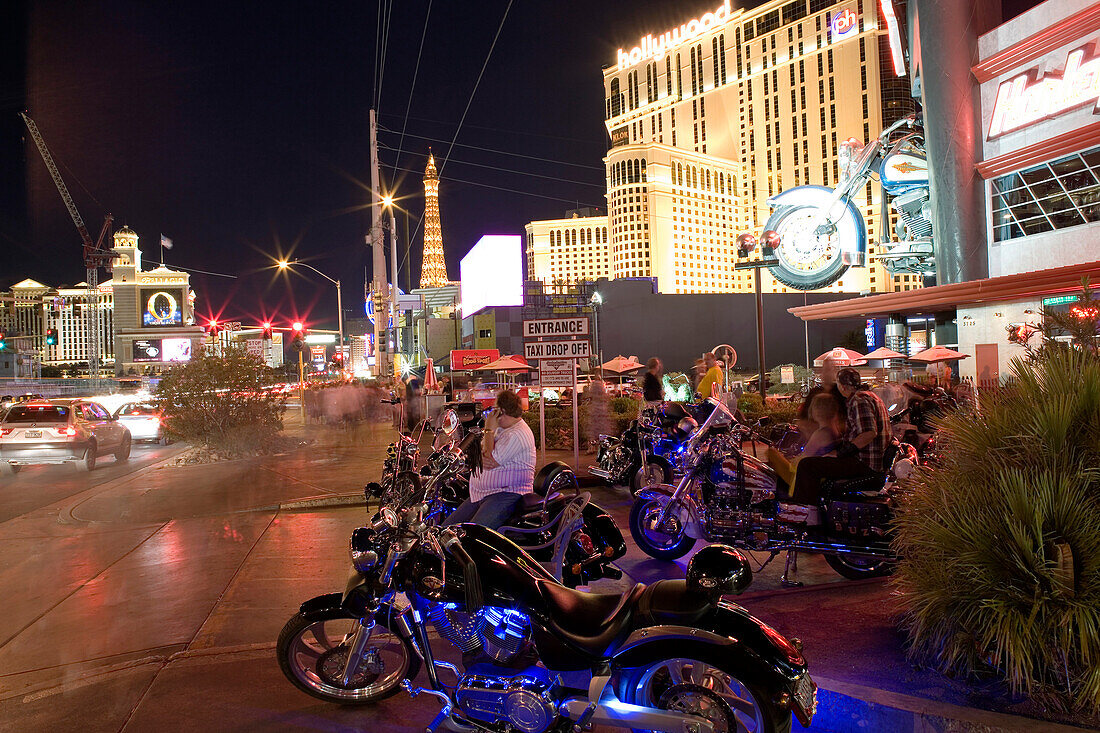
558, 524
822, 231
638, 457
727, 495
538, 657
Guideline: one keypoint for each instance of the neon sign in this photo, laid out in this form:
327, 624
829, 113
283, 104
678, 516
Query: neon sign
1026, 99
655, 48
844, 23
894, 33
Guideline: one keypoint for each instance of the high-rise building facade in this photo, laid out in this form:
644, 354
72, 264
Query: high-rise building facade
711, 118
30, 308
433, 268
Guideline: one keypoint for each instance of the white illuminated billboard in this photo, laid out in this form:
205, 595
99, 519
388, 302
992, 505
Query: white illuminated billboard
176, 349
492, 273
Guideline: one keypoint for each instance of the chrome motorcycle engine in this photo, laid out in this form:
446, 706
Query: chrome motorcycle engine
524, 701
500, 633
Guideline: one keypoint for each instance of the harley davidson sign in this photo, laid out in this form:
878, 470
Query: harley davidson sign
1027, 99
463, 359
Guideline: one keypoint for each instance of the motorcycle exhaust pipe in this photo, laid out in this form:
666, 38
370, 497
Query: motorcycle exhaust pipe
829, 549
618, 714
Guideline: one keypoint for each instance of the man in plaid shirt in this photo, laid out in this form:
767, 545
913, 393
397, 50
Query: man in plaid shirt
860, 454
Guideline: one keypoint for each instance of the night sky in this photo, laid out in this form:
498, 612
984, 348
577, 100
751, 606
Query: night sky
239, 130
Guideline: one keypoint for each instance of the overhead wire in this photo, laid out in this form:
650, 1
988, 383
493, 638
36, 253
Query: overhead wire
412, 87
514, 171
496, 150
501, 129
477, 83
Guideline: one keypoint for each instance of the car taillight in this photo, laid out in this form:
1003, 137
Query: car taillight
6, 431
70, 431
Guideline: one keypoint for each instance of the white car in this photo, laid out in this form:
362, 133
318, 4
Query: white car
60, 431
142, 420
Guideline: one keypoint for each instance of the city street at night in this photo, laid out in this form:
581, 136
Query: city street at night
147, 597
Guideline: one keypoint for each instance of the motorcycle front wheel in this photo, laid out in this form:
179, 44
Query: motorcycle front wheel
700, 688
858, 567
664, 544
313, 648
652, 473
807, 261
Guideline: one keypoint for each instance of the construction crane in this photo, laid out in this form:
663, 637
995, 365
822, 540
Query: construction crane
95, 256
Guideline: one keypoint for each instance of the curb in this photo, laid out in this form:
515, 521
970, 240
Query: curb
845, 707
322, 502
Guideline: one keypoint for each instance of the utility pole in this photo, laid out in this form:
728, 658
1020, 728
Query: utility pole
394, 298
376, 240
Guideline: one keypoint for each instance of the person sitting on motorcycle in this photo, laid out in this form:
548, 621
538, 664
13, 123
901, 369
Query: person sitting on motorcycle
712, 379
508, 467
804, 420
825, 414
862, 451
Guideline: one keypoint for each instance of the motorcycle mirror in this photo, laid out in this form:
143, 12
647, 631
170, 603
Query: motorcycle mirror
388, 517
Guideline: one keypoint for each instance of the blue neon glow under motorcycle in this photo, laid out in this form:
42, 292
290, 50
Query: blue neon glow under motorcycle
822, 230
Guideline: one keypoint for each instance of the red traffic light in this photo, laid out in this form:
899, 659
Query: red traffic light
298, 326
267, 325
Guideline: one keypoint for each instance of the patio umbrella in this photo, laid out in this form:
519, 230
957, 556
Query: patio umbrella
938, 353
882, 354
621, 364
841, 357
507, 364
431, 384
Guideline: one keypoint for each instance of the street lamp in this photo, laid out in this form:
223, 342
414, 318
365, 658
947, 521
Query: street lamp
596, 301
285, 265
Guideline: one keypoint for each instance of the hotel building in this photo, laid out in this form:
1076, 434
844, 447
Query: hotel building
707, 121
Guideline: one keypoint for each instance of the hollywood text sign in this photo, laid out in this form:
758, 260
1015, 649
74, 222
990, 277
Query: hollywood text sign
1027, 99
654, 47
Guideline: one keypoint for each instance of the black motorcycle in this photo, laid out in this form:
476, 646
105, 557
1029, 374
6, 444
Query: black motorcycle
576, 539
727, 495
538, 657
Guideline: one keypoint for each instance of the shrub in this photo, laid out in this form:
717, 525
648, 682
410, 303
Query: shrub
1000, 544
220, 402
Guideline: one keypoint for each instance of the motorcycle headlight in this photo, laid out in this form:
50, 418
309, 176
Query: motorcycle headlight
361, 548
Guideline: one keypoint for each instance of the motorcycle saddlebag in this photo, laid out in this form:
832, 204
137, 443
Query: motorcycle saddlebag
857, 518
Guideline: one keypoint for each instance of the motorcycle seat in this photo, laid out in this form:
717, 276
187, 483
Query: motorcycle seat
591, 622
670, 602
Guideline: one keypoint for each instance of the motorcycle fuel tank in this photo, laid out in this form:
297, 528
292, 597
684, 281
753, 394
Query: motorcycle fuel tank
904, 170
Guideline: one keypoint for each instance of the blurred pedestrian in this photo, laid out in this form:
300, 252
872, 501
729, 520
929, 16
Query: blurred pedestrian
414, 403
653, 388
712, 382
599, 411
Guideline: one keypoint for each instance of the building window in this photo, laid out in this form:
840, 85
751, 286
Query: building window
1057, 195
750, 31
668, 74
722, 57
679, 83
714, 60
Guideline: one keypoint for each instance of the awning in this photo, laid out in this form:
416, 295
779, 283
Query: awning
947, 297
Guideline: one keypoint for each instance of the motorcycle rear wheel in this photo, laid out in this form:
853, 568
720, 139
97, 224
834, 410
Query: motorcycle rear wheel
652, 542
701, 688
858, 567
309, 650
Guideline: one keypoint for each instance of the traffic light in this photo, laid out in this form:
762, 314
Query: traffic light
267, 330
3, 343
212, 327
298, 336
51, 337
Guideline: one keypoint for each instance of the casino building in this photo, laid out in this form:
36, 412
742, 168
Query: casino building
153, 312
709, 119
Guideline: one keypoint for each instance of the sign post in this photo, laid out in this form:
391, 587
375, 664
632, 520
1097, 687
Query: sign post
557, 364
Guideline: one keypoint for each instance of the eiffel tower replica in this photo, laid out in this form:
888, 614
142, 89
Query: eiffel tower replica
433, 269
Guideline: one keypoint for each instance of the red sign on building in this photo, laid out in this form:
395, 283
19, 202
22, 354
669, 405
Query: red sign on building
463, 359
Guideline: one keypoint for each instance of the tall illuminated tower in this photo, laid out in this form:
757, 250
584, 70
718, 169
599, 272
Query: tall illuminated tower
433, 270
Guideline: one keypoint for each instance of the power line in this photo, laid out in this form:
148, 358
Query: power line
476, 84
498, 188
494, 150
416, 70
501, 129
192, 269
516, 172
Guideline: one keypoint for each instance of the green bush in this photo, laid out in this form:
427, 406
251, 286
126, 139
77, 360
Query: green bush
220, 402
1000, 544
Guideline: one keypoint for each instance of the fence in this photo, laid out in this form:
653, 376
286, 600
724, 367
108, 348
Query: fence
75, 387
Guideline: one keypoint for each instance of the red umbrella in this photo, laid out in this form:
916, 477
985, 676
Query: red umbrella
841, 357
882, 354
431, 384
938, 353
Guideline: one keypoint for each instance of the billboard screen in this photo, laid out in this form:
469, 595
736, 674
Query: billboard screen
161, 307
176, 349
147, 350
492, 273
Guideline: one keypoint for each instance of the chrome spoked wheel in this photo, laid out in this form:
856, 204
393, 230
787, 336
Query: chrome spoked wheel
699, 688
313, 652
664, 541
